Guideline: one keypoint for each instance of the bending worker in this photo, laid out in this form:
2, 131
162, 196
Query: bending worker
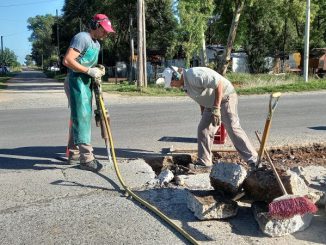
218, 101
81, 58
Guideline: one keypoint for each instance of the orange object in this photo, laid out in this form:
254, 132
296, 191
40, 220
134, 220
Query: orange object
220, 135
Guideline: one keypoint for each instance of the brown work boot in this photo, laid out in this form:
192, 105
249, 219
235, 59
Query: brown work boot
94, 166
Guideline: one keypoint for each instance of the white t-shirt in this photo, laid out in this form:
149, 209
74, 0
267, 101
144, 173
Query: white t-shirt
200, 84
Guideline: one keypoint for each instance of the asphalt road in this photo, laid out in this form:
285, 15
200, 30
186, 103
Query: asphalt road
47, 202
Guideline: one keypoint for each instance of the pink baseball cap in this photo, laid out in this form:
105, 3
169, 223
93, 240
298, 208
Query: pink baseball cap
104, 21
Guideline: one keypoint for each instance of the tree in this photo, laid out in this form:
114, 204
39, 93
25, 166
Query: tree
28, 60
231, 37
318, 24
9, 58
194, 15
160, 22
43, 48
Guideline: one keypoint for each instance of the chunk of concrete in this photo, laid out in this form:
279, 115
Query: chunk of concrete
207, 205
279, 227
194, 182
261, 185
227, 177
165, 177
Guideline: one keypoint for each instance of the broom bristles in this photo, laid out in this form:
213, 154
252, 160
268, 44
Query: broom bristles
288, 207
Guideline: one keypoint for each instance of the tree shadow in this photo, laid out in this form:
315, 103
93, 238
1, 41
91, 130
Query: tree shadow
29, 157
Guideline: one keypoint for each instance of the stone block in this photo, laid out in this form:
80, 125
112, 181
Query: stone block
227, 177
207, 205
279, 227
261, 185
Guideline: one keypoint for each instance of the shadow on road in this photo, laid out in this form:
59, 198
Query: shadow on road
33, 81
318, 128
178, 139
28, 157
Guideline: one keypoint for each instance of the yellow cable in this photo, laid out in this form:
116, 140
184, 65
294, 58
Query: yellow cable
131, 193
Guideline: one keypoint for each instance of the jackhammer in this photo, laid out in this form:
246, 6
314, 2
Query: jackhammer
102, 116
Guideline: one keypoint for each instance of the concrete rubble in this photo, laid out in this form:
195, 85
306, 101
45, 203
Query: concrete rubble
261, 185
210, 195
227, 177
165, 177
278, 227
208, 205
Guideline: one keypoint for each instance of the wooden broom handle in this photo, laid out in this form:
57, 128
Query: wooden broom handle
273, 167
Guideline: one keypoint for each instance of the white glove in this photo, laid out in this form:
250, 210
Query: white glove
216, 114
96, 72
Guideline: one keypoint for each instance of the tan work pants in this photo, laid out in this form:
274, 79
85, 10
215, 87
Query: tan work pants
230, 119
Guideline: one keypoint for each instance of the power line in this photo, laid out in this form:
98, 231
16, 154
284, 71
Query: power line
30, 3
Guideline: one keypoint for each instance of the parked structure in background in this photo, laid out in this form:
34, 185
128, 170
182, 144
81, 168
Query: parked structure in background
4, 69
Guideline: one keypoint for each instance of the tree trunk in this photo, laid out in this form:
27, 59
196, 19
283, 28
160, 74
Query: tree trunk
233, 30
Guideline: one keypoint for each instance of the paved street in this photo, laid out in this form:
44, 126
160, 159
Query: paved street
45, 201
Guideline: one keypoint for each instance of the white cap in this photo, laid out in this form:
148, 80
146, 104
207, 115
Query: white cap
167, 75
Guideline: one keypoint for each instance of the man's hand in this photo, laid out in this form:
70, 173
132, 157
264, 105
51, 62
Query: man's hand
216, 114
96, 72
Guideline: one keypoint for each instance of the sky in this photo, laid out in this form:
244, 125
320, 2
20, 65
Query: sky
13, 22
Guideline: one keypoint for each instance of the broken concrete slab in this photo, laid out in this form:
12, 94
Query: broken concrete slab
195, 182
261, 185
208, 205
279, 227
159, 163
227, 177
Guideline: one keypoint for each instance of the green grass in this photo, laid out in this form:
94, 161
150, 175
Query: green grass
151, 90
244, 84
5, 78
265, 83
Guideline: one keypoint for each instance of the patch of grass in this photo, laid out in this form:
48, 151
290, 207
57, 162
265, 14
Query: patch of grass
244, 84
4, 78
284, 83
132, 89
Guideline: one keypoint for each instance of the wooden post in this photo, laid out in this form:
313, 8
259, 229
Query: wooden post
132, 57
140, 68
306, 43
144, 44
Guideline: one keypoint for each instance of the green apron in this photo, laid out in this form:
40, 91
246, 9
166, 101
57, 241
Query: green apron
81, 99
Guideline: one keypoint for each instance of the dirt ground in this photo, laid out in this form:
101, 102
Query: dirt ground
288, 157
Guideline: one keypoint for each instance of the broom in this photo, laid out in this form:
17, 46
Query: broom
287, 206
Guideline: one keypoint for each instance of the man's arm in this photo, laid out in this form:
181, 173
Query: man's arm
70, 61
218, 95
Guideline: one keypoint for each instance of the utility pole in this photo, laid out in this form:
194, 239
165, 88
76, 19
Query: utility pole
131, 50
306, 43
59, 65
144, 45
140, 68
2, 50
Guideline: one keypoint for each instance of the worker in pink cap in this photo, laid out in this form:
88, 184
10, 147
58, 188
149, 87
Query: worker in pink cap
81, 60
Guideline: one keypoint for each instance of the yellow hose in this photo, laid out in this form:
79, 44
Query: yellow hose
142, 201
